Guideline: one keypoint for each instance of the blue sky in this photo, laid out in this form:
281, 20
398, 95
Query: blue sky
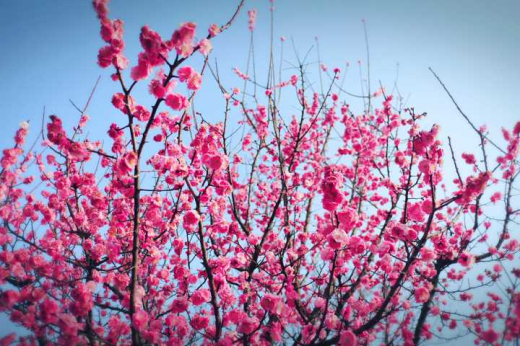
49, 54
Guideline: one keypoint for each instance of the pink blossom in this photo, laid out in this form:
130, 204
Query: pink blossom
469, 158
205, 46
272, 303
214, 30
426, 167
415, 212
199, 322
142, 70
141, 113
332, 195
252, 19
8, 339
490, 336
348, 338
497, 196
55, 132
422, 294
185, 73
357, 245
248, 325
466, 259
194, 82
177, 101
182, 39
155, 49
140, 319
157, 89
77, 151
200, 297
179, 305
191, 217
339, 237
428, 255
21, 133
126, 163
347, 218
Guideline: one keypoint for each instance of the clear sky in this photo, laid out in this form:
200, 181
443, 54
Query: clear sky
49, 49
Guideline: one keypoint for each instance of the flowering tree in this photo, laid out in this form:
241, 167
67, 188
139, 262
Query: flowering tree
257, 231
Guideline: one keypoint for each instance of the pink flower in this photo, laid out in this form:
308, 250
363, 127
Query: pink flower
496, 197
347, 218
78, 152
199, 322
185, 73
214, 30
21, 133
415, 212
357, 245
177, 101
469, 158
422, 294
182, 39
235, 316
338, 238
248, 325
348, 338
252, 19
106, 56
427, 206
10, 298
466, 259
190, 218
213, 161
516, 130
8, 340
140, 319
55, 132
428, 255
126, 163
272, 303
179, 305
141, 113
426, 167
332, 195
205, 47
200, 297
489, 336
142, 70
474, 186
156, 88
195, 81
155, 49
118, 100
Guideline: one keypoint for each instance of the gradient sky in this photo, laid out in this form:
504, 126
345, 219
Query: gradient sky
49, 50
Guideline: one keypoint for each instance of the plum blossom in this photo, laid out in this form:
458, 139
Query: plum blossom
331, 185
126, 163
422, 294
252, 19
190, 218
205, 47
177, 101
200, 297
